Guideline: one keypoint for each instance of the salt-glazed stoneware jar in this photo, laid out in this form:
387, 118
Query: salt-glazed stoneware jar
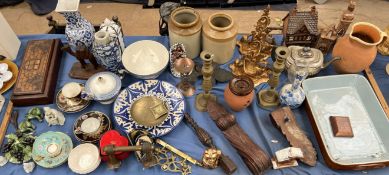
185, 27
219, 37
359, 49
239, 93
102, 87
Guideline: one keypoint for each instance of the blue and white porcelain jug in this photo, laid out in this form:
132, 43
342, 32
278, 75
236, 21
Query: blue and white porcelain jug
292, 94
108, 46
79, 32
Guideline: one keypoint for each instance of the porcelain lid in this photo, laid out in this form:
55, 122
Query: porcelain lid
313, 56
103, 85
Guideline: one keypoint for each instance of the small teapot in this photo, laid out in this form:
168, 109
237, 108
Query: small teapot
102, 87
313, 56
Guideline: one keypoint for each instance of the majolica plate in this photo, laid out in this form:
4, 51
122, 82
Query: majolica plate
90, 126
168, 104
51, 149
71, 105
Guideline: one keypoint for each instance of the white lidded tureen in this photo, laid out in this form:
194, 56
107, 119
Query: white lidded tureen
102, 87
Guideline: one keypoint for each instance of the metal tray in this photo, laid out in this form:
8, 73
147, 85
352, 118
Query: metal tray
348, 95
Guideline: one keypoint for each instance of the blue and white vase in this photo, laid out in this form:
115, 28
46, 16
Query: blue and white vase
108, 46
79, 32
292, 94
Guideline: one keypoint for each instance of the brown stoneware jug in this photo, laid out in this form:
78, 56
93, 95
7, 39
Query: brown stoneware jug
359, 49
239, 93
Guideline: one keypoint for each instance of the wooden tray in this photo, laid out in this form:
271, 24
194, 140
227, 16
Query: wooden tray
14, 69
348, 95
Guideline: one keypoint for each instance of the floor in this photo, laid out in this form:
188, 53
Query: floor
139, 21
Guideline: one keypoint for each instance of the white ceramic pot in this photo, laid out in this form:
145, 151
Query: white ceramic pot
219, 37
185, 27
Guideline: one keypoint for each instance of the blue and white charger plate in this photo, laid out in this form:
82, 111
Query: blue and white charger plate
160, 89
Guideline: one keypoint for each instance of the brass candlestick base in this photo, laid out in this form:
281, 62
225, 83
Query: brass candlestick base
202, 101
268, 99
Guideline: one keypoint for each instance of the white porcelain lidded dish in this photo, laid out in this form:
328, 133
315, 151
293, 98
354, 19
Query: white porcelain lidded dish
102, 87
84, 158
145, 59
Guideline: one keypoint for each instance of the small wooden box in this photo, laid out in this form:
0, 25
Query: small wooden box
341, 126
38, 73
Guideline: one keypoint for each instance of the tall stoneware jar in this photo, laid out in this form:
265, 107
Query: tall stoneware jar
239, 93
359, 49
185, 27
219, 36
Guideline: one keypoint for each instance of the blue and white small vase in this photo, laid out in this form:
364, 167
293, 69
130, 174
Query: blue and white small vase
108, 46
292, 94
79, 32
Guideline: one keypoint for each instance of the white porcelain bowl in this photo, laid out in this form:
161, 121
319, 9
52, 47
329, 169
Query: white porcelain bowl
145, 59
84, 158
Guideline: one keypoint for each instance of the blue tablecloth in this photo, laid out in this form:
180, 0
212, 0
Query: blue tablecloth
254, 120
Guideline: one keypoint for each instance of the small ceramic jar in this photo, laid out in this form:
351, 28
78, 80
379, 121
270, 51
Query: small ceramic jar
185, 27
102, 87
239, 93
219, 37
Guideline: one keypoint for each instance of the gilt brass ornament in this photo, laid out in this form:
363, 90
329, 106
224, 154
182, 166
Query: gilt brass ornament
255, 49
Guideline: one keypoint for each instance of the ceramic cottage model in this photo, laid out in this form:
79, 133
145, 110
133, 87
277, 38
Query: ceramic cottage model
300, 28
108, 45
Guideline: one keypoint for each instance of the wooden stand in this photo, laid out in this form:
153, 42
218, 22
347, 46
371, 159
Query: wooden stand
82, 70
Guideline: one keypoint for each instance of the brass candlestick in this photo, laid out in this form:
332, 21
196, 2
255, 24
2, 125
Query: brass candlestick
207, 71
269, 98
185, 66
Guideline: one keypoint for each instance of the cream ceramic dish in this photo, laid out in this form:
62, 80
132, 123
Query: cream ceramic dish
84, 158
145, 59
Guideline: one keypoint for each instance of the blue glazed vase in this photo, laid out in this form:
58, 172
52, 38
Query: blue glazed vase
108, 46
79, 32
292, 94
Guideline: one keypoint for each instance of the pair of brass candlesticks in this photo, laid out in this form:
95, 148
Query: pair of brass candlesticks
185, 66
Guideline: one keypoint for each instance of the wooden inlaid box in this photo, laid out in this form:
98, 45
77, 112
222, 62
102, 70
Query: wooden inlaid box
38, 73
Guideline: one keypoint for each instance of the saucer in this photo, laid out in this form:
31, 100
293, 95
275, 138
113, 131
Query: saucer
90, 126
84, 158
51, 149
12, 71
70, 105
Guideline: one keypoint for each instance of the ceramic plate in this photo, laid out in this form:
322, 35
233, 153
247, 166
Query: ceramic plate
51, 149
145, 59
70, 106
164, 91
84, 158
90, 126
352, 96
13, 68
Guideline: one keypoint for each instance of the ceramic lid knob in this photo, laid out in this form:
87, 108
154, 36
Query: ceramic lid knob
241, 85
103, 84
